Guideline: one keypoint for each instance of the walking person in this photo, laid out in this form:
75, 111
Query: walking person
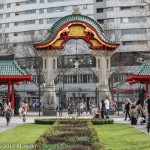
127, 108
106, 107
24, 112
102, 108
81, 108
8, 116
70, 109
148, 114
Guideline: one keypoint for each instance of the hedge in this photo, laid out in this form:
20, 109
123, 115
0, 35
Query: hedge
67, 121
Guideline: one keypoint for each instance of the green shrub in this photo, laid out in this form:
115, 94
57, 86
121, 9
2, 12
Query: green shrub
74, 121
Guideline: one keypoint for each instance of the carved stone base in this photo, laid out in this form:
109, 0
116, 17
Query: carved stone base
49, 112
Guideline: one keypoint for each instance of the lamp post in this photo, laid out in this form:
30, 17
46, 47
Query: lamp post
96, 97
76, 61
39, 85
79, 101
117, 90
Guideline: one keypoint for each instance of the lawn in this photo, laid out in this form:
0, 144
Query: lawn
113, 136
122, 137
21, 136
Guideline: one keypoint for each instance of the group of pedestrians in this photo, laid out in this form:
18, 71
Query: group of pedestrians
104, 108
6, 110
132, 110
79, 107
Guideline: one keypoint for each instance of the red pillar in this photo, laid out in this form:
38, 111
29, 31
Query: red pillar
12, 96
146, 88
8, 94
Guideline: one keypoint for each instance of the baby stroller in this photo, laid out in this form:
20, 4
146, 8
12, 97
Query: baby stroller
133, 115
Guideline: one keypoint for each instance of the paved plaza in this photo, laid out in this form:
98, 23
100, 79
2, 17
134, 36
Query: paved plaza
15, 121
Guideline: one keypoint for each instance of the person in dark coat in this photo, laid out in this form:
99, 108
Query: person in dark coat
102, 108
8, 116
127, 109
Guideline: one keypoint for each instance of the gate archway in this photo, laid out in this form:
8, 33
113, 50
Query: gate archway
76, 26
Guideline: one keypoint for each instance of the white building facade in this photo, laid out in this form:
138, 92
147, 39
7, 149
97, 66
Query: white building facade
126, 21
30, 20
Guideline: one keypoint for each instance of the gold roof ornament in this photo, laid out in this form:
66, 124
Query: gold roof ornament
76, 11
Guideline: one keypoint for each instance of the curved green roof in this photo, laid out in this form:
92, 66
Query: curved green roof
144, 69
77, 17
10, 67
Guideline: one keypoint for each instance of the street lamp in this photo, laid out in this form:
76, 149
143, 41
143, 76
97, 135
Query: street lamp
79, 100
117, 91
76, 61
39, 85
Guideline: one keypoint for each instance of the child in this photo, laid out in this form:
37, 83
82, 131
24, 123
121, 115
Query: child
8, 116
24, 112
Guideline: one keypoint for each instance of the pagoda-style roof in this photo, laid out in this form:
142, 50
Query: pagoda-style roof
10, 71
141, 74
76, 26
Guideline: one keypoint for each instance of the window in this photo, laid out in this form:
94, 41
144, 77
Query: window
0, 26
98, 63
84, 6
90, 78
133, 31
41, 1
16, 23
74, 78
55, 9
8, 5
45, 63
40, 32
99, 0
7, 15
30, 1
125, 8
133, 19
17, 13
54, 64
17, 4
14, 45
6, 35
124, 20
15, 34
7, 25
84, 78
100, 10
41, 11
79, 78
1, 6
30, 22
30, 11
101, 21
68, 8
134, 42
41, 21
110, 9
54, 0
108, 20
75, 7
52, 20
1, 16
107, 63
